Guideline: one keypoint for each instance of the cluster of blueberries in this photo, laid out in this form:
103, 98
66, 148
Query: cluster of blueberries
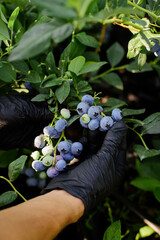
92, 117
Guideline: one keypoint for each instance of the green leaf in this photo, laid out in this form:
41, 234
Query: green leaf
4, 35
146, 231
115, 54
112, 4
76, 64
156, 193
7, 198
133, 67
21, 67
13, 18
91, 67
114, 80
113, 232
51, 81
50, 63
62, 92
145, 183
137, 122
33, 77
33, 42
154, 6
112, 102
20, 3
145, 153
7, 72
83, 86
141, 60
80, 5
6, 157
73, 119
150, 168
87, 40
151, 124
128, 111
40, 97
16, 167
56, 8
2, 16
62, 32
134, 46
91, 56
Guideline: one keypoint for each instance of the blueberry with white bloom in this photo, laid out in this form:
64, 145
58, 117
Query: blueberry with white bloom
67, 156
60, 165
93, 124
76, 148
38, 165
60, 125
82, 108
88, 99
39, 141
117, 114
49, 131
64, 147
48, 150
106, 123
52, 172
93, 111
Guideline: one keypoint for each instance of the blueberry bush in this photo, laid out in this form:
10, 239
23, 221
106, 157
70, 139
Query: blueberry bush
93, 62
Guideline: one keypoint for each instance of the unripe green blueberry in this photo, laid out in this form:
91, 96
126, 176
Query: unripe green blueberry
85, 118
35, 155
65, 113
47, 161
42, 175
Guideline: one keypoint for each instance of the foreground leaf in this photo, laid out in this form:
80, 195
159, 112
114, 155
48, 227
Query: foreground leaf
16, 167
7, 198
113, 232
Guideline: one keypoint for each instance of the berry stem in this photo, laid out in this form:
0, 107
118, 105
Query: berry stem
14, 188
140, 136
55, 148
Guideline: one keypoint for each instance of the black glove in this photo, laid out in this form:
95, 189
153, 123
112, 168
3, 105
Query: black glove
21, 120
98, 175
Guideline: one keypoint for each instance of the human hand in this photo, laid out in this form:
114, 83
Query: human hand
98, 175
21, 120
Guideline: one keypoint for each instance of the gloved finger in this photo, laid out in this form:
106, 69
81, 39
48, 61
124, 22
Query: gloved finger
121, 158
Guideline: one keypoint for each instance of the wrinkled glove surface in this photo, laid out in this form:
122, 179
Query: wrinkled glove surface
99, 174
21, 120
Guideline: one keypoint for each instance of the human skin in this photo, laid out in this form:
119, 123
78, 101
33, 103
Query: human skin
43, 217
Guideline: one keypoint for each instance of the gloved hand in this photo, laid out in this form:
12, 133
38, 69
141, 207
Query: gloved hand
98, 175
21, 120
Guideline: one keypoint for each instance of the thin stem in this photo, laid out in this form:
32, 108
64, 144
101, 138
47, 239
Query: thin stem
143, 9
109, 211
140, 136
14, 188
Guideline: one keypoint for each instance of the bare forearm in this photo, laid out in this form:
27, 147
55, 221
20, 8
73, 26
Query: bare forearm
40, 218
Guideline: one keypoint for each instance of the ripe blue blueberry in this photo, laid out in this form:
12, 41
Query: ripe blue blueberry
117, 114
48, 150
100, 108
88, 99
85, 118
52, 172
93, 124
60, 165
32, 182
57, 135
76, 148
39, 141
67, 156
85, 125
38, 165
64, 147
60, 125
29, 172
106, 123
65, 113
47, 160
82, 108
41, 183
58, 157
93, 111
49, 131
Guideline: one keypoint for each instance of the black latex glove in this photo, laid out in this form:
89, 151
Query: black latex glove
21, 120
99, 174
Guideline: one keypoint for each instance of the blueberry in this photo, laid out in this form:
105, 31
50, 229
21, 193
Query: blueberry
67, 156
65, 113
93, 124
41, 183
42, 175
29, 172
76, 148
82, 108
88, 99
106, 123
100, 108
38, 165
48, 150
60, 165
64, 147
49, 131
47, 161
35, 155
85, 118
39, 141
117, 114
28, 85
32, 182
57, 135
60, 125
93, 112
52, 172
156, 47
83, 124
58, 157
